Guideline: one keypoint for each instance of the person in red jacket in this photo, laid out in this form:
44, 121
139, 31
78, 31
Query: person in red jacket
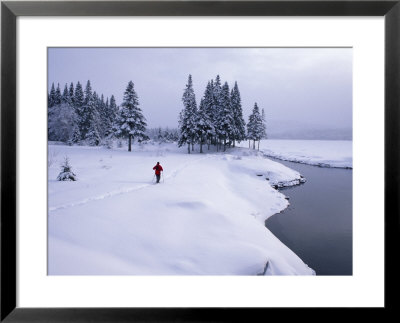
158, 168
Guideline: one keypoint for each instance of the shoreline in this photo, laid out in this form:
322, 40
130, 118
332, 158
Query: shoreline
293, 160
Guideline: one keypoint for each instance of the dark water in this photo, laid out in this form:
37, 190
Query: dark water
317, 225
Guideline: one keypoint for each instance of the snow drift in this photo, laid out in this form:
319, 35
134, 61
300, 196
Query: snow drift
323, 153
206, 217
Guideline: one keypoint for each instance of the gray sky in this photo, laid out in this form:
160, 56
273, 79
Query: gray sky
299, 88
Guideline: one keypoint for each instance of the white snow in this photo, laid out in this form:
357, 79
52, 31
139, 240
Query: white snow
206, 217
324, 153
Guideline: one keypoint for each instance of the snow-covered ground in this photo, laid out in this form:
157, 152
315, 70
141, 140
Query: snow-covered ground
206, 217
324, 153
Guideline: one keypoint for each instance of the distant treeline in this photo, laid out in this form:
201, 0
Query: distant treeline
163, 134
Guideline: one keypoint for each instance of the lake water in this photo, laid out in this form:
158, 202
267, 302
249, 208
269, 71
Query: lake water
317, 225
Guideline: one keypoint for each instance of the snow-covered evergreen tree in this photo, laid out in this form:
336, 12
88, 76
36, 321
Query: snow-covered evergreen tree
79, 97
87, 108
226, 122
240, 125
216, 110
108, 122
106, 125
52, 97
203, 126
254, 126
188, 117
50, 108
90, 119
92, 136
66, 173
71, 94
112, 115
65, 98
130, 121
79, 101
264, 125
208, 114
57, 96
113, 109
76, 134
99, 104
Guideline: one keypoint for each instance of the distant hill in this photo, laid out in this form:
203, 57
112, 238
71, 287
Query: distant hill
278, 129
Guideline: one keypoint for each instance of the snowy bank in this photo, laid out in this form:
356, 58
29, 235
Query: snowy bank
323, 153
206, 217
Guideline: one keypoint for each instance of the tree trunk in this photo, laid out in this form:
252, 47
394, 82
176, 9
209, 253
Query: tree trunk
258, 145
201, 147
254, 144
224, 144
188, 148
249, 143
130, 143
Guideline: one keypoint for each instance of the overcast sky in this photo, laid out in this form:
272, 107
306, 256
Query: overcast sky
303, 87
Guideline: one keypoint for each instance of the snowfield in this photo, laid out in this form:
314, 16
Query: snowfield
206, 217
323, 153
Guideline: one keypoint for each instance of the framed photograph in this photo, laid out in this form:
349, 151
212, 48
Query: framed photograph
197, 160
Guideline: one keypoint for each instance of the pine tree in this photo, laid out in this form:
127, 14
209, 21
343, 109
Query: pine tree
76, 134
130, 121
52, 97
92, 136
264, 126
107, 119
216, 110
71, 94
79, 101
66, 173
100, 110
90, 119
65, 98
240, 125
254, 126
112, 115
188, 116
226, 117
57, 96
202, 125
87, 108
113, 109
208, 114
50, 109
103, 116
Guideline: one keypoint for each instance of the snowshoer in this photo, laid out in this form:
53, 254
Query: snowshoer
158, 168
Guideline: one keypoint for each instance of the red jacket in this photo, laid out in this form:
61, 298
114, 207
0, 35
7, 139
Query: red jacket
158, 169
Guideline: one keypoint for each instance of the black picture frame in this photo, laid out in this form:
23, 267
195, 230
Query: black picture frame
10, 10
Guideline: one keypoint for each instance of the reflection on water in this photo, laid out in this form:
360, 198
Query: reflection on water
317, 225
